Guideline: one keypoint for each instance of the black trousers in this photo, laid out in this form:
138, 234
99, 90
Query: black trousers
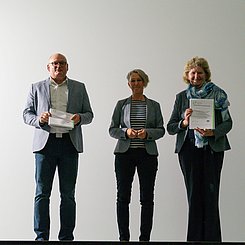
201, 168
125, 166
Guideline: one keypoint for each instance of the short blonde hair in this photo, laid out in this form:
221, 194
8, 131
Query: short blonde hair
194, 62
142, 75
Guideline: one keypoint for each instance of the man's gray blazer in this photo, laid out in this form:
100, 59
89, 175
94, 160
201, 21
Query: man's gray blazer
121, 122
218, 142
39, 101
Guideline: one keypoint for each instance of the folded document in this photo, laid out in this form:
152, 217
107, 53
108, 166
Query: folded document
60, 119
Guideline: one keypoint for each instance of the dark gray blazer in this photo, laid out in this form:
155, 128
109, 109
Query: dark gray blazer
121, 122
38, 101
218, 142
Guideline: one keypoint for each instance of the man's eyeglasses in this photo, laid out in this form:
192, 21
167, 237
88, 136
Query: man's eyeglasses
56, 63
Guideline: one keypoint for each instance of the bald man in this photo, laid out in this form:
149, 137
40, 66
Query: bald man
56, 146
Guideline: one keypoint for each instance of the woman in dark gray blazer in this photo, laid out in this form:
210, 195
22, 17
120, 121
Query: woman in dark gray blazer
136, 123
201, 151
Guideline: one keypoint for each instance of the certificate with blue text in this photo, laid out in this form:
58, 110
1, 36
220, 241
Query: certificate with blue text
203, 114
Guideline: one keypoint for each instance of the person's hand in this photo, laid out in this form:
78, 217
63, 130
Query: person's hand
205, 132
141, 134
44, 117
76, 118
187, 115
132, 133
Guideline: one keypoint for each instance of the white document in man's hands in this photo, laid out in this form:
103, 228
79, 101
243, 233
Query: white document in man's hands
61, 119
203, 114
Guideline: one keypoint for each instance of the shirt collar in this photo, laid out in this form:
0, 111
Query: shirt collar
53, 83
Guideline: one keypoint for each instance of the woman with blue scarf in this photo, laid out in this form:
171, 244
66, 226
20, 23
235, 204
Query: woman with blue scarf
201, 151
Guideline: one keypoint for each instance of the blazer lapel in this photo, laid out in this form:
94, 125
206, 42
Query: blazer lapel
148, 111
127, 108
70, 88
47, 92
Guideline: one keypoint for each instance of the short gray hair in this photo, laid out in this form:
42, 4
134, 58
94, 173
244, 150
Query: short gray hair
142, 75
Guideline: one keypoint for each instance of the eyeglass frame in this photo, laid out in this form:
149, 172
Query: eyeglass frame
61, 63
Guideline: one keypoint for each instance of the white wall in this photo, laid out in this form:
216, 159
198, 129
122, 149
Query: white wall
103, 40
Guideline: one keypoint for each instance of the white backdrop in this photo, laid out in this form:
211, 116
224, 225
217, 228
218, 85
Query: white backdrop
103, 40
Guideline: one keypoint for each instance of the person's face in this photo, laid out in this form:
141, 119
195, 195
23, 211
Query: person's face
136, 84
196, 76
57, 68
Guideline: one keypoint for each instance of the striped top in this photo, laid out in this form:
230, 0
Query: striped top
138, 121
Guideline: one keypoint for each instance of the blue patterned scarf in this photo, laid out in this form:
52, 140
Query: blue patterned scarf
209, 91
